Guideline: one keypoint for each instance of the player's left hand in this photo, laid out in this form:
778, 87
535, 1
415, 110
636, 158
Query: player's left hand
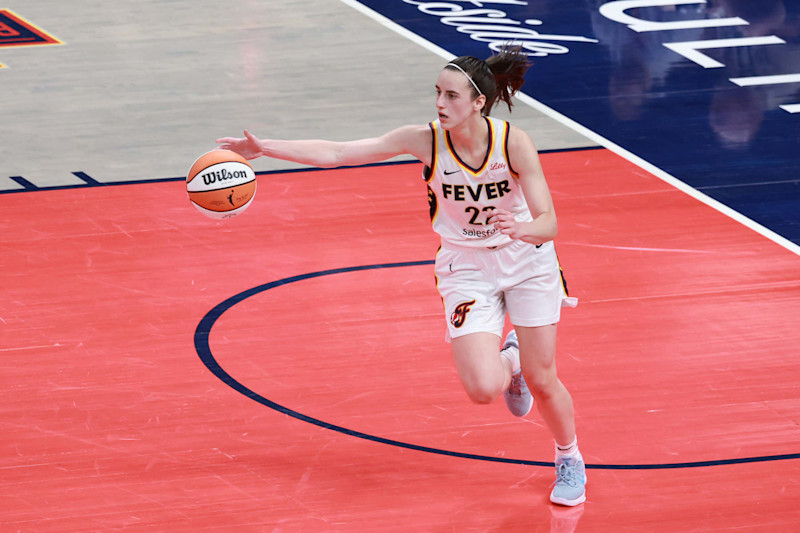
525, 231
504, 222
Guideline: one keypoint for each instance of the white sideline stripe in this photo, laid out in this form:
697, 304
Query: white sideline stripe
766, 80
586, 132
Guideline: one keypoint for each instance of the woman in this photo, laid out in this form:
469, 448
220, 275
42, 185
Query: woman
490, 203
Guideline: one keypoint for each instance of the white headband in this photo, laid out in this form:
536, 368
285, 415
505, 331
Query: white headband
467, 75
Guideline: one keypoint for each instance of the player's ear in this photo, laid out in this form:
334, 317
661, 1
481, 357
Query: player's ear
479, 103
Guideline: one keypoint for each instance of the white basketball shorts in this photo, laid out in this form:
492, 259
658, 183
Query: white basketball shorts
480, 286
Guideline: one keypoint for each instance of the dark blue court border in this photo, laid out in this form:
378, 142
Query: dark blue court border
204, 351
89, 181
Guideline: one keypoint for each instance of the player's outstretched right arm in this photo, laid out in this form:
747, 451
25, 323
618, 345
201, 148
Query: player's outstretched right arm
413, 140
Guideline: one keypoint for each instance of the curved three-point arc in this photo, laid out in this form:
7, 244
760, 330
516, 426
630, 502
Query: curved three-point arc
204, 351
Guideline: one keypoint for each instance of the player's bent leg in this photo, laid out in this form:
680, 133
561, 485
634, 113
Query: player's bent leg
484, 374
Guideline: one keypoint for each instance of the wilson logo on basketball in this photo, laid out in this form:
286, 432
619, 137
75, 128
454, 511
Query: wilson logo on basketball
460, 314
221, 184
222, 175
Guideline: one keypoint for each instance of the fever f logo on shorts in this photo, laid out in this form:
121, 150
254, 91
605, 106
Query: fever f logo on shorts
460, 314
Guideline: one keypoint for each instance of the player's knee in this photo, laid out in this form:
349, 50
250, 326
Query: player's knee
482, 392
543, 383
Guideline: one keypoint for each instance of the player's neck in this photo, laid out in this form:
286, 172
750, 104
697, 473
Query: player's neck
471, 136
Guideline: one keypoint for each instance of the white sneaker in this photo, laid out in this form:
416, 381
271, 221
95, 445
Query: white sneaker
570, 485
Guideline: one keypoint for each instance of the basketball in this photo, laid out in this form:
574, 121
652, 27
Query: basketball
221, 184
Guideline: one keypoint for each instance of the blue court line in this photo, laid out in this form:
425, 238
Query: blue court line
28, 186
204, 351
92, 182
88, 179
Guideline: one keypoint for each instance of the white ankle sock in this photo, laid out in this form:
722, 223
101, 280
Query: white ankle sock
570, 449
512, 358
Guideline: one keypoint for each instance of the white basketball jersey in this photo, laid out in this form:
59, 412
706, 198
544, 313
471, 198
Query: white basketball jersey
461, 198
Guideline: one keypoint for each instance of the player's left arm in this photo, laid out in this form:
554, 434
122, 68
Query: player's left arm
524, 159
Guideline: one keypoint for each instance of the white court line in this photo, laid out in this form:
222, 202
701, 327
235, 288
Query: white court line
758, 287
639, 249
56, 345
766, 80
586, 132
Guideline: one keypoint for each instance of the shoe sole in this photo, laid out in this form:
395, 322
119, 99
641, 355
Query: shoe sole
569, 503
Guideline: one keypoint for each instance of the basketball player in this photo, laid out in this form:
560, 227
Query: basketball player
491, 204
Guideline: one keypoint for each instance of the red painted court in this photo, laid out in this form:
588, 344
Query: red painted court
682, 358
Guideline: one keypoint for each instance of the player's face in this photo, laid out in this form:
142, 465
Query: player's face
454, 100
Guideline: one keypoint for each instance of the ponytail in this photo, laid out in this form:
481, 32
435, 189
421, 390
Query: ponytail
508, 68
498, 78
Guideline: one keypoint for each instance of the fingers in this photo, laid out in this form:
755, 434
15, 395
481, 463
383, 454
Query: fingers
507, 230
234, 140
503, 221
500, 215
229, 143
